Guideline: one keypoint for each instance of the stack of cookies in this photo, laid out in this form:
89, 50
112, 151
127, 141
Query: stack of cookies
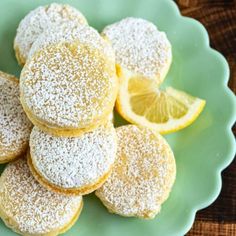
63, 107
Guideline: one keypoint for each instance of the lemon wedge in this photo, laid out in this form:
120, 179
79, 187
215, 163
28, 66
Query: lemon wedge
141, 102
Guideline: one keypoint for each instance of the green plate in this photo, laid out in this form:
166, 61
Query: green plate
202, 150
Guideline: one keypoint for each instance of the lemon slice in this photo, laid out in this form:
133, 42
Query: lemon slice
140, 101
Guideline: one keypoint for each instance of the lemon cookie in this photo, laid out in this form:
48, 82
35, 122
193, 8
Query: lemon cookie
76, 165
14, 125
29, 209
39, 20
142, 176
82, 33
68, 88
141, 50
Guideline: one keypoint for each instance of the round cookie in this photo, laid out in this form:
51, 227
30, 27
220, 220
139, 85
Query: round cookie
82, 33
15, 127
142, 176
76, 165
68, 88
29, 209
39, 20
141, 50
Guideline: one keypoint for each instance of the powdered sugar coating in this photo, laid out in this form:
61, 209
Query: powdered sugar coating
34, 209
69, 33
74, 162
142, 176
14, 125
42, 18
69, 85
139, 46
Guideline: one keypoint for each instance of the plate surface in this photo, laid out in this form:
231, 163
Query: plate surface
202, 150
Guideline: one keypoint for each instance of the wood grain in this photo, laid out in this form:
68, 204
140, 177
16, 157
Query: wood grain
219, 18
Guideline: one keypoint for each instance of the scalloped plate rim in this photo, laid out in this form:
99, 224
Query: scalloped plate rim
230, 122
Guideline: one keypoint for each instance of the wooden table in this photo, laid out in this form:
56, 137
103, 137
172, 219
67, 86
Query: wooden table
219, 18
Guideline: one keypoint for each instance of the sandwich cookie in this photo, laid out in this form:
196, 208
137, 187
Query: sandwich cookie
29, 209
70, 165
82, 33
142, 176
39, 20
68, 88
141, 49
15, 127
